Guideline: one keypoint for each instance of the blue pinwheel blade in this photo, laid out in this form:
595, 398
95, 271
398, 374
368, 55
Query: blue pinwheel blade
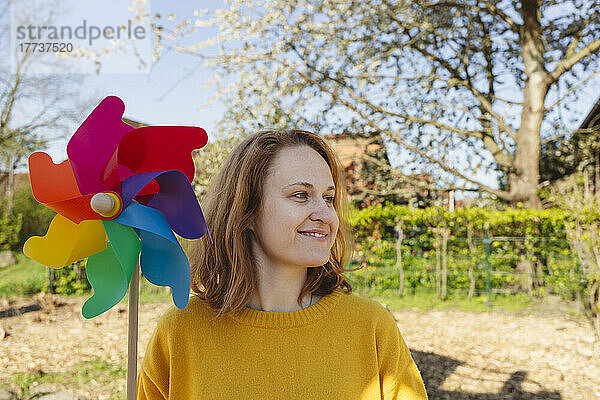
176, 200
163, 261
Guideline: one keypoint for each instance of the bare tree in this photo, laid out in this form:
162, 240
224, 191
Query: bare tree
35, 109
487, 78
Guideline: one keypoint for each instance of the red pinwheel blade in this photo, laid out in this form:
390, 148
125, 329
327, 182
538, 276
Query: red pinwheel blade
93, 145
161, 148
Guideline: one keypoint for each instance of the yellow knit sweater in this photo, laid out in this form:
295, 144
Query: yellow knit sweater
342, 347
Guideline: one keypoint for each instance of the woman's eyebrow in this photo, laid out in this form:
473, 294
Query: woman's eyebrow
306, 184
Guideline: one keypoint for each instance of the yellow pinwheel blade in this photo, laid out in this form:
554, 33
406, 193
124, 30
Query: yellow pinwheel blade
66, 242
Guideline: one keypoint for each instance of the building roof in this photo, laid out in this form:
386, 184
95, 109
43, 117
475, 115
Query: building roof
593, 118
134, 123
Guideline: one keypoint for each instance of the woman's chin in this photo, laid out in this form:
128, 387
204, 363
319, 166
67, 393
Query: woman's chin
315, 261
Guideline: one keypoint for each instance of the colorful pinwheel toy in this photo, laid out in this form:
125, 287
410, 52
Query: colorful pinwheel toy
121, 191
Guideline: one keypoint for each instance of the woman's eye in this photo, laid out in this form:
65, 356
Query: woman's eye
329, 199
301, 195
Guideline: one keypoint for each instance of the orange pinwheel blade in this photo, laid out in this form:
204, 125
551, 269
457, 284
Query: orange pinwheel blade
54, 185
66, 242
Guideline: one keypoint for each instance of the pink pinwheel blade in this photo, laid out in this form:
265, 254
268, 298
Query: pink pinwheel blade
93, 145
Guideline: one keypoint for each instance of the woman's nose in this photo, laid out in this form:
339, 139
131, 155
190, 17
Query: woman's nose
323, 212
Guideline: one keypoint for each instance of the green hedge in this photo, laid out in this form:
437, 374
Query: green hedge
27, 218
10, 227
379, 221
516, 235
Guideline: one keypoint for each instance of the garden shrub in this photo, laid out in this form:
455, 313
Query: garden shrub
516, 234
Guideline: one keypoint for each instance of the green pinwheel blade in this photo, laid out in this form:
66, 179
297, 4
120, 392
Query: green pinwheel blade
110, 271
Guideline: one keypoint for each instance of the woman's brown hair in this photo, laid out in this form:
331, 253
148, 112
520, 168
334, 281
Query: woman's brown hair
223, 271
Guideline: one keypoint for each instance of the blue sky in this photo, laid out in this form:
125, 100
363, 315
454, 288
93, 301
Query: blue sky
168, 93
171, 91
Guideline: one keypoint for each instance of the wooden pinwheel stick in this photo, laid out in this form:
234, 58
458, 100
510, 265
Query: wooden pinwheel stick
107, 204
132, 333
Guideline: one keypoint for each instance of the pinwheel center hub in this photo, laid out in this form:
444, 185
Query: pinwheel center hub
106, 204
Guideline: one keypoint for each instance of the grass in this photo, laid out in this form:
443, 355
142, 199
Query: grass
97, 371
150, 293
427, 300
25, 278
28, 277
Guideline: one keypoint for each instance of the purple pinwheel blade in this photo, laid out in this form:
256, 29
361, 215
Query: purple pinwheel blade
176, 200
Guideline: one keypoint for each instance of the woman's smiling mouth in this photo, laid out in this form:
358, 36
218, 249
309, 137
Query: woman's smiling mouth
312, 234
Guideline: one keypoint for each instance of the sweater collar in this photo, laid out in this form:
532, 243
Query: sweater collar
289, 319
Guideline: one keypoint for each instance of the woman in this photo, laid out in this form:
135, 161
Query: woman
273, 316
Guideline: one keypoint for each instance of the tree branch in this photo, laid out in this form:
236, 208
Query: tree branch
490, 8
499, 193
459, 188
568, 63
469, 85
572, 89
496, 11
439, 125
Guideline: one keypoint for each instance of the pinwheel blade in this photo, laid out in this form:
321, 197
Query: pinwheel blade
66, 242
94, 143
162, 260
110, 271
161, 148
54, 185
176, 200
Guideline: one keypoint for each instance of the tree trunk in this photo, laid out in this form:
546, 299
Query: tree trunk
594, 303
524, 267
445, 234
472, 254
10, 188
399, 260
597, 176
437, 264
523, 180
471, 282
78, 270
575, 295
367, 283
597, 320
539, 274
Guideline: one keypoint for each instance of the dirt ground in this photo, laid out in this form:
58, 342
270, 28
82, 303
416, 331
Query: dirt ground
461, 355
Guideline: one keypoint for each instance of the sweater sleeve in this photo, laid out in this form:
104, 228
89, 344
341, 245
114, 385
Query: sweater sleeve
399, 376
153, 379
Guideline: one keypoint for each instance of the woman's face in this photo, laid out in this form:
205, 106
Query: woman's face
297, 223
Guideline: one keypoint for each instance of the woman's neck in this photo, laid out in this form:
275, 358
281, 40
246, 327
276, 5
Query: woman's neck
279, 288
